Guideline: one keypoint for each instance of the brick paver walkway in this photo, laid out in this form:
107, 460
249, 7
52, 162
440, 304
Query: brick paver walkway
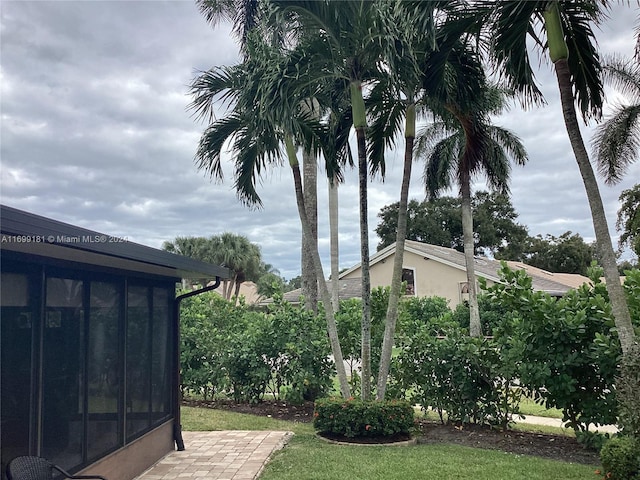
223, 455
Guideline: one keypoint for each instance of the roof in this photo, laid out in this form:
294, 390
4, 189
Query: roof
349, 288
50, 238
552, 283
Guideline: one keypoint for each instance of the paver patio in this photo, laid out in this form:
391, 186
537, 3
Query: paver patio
219, 455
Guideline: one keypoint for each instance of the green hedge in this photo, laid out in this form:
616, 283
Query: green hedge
356, 418
620, 458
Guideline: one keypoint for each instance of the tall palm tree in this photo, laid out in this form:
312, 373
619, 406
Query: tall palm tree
420, 47
265, 113
254, 17
347, 46
570, 43
617, 140
460, 146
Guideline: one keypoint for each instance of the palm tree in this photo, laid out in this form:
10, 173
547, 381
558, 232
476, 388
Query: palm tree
239, 255
347, 40
265, 112
252, 17
570, 44
617, 140
420, 47
460, 146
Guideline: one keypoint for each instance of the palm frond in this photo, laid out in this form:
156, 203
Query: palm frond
584, 61
214, 138
623, 74
509, 24
617, 142
440, 172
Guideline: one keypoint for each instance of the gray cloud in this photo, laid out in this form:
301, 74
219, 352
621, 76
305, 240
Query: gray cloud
96, 132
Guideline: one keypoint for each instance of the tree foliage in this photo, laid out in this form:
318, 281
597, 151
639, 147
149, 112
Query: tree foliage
233, 251
568, 253
439, 222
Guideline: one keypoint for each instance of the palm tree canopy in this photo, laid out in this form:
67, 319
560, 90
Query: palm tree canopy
264, 101
509, 24
617, 140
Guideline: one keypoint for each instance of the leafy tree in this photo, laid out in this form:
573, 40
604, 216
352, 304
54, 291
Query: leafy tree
629, 219
438, 221
567, 253
570, 43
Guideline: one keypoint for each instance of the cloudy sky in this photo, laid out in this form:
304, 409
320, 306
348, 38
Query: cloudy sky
95, 132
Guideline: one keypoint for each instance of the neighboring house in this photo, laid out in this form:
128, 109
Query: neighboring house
430, 270
89, 346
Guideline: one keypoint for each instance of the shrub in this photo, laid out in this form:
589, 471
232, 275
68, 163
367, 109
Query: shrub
567, 347
620, 458
230, 349
467, 377
417, 311
492, 314
356, 418
349, 322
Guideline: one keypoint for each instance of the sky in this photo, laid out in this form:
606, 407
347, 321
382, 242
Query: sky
96, 132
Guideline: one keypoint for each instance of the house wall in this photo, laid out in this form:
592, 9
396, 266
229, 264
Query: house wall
432, 278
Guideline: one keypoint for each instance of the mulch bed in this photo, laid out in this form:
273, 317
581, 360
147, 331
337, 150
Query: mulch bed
556, 447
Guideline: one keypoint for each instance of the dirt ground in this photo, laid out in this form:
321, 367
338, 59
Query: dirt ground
556, 447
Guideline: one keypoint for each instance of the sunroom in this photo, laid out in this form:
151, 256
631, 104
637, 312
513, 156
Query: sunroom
89, 346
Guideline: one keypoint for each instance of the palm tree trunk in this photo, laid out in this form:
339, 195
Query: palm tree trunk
604, 246
475, 328
332, 329
360, 124
333, 236
396, 278
309, 282
363, 173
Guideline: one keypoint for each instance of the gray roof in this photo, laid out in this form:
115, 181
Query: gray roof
554, 284
349, 288
51, 238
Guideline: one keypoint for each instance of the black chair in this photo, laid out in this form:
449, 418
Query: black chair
37, 468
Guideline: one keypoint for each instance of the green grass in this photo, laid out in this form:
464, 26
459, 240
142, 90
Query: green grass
208, 419
310, 458
529, 407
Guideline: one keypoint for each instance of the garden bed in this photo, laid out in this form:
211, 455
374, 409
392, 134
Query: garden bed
556, 447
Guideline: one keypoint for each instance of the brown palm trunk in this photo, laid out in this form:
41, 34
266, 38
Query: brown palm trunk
332, 329
606, 254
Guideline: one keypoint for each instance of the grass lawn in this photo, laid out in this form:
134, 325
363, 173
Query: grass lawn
309, 458
529, 407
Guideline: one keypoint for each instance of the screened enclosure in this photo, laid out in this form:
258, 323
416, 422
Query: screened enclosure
88, 342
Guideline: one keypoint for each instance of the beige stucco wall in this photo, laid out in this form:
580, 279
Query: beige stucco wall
432, 278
